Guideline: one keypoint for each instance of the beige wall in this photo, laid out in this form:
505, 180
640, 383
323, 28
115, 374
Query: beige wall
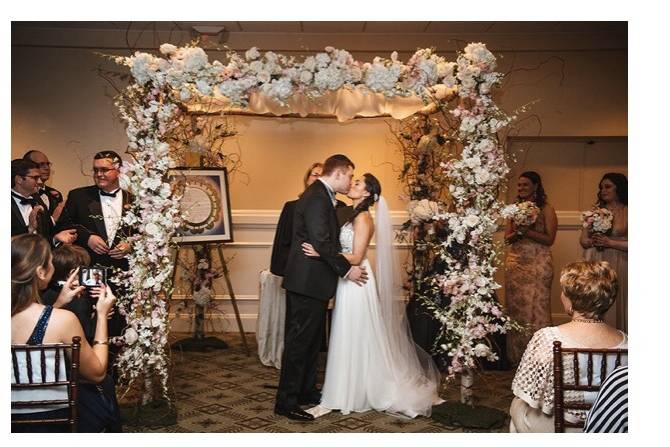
61, 106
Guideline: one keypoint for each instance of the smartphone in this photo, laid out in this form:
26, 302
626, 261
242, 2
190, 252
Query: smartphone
92, 276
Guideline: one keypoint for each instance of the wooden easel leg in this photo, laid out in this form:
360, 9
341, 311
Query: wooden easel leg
226, 275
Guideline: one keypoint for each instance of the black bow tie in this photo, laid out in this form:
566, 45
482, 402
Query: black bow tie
109, 194
25, 200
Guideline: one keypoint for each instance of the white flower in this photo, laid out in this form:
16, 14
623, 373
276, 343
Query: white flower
482, 176
130, 336
381, 79
471, 220
152, 229
252, 53
309, 64
143, 67
149, 282
168, 49
472, 162
305, 77
329, 79
124, 182
322, 60
151, 183
479, 54
280, 89
203, 87
481, 350
194, 59
256, 66
422, 210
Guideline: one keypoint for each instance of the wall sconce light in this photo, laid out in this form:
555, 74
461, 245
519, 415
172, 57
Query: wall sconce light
210, 34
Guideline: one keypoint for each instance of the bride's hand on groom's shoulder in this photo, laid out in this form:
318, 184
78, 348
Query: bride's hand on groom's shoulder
308, 249
358, 275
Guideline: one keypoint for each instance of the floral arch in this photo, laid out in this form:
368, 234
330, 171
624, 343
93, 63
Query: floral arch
165, 88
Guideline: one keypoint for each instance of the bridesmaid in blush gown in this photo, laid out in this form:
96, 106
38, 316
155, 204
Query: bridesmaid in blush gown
613, 248
529, 267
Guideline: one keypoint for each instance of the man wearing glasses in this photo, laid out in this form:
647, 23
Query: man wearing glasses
29, 213
96, 211
50, 196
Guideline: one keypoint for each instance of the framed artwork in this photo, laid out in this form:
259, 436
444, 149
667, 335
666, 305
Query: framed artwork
205, 205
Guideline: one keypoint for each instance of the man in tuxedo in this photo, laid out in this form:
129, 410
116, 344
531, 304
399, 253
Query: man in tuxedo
95, 212
29, 213
50, 196
310, 283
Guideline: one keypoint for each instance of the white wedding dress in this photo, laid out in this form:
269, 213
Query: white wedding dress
372, 365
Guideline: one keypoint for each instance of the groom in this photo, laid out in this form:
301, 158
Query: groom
310, 283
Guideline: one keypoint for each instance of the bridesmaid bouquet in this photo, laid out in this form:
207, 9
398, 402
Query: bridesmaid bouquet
597, 220
523, 214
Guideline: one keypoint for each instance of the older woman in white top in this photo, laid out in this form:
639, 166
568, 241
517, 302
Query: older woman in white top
588, 291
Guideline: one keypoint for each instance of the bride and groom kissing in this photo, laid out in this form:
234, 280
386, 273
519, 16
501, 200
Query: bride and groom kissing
372, 361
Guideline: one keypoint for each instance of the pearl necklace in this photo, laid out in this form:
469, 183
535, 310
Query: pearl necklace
587, 320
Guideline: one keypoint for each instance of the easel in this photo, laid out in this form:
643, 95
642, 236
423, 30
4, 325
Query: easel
199, 341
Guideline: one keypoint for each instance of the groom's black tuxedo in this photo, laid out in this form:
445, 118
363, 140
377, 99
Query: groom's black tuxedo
309, 284
315, 221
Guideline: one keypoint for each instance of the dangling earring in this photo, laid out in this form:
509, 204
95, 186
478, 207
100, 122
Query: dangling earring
570, 311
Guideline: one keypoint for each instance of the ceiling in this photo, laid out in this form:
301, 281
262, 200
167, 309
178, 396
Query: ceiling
370, 27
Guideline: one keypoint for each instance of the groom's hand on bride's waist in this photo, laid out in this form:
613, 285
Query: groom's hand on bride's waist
358, 275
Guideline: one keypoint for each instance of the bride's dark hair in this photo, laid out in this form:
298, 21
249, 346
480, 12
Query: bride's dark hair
372, 186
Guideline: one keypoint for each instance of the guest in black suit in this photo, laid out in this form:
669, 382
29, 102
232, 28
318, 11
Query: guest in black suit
310, 283
50, 196
96, 212
29, 213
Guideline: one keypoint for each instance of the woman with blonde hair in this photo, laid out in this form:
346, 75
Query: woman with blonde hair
34, 323
588, 290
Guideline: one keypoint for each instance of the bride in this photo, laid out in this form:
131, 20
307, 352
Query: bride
373, 362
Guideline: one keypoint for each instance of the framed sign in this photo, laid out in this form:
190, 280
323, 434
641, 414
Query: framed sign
205, 205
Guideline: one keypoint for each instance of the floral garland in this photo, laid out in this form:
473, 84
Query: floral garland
151, 107
471, 313
189, 73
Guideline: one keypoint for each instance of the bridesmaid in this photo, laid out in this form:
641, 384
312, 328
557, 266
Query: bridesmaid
529, 269
613, 195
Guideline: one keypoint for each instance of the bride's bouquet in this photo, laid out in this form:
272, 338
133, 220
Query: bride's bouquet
597, 220
523, 214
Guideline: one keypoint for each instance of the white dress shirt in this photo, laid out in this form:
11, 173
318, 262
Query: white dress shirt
112, 207
331, 193
24, 209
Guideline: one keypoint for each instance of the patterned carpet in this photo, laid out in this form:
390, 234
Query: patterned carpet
226, 391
